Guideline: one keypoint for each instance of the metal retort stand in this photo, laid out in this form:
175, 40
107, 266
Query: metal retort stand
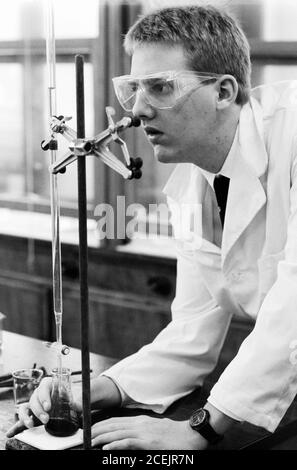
79, 148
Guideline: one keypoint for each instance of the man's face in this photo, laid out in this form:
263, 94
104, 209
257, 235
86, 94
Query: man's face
184, 132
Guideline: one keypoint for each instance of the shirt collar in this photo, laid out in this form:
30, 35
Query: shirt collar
226, 169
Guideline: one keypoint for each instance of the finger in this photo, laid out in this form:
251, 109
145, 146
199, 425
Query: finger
19, 426
43, 394
113, 424
126, 419
102, 428
23, 411
125, 444
26, 420
110, 437
40, 401
39, 412
25, 415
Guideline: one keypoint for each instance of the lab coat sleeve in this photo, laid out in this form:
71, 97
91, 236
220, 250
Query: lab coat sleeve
261, 381
183, 353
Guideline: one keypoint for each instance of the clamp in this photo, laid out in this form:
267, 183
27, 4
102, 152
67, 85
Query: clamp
96, 146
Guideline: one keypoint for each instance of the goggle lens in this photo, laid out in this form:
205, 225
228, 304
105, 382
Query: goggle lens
161, 91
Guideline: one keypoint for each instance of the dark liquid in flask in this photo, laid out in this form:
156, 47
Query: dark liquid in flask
61, 427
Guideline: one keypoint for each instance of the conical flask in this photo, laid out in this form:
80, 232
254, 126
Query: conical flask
63, 420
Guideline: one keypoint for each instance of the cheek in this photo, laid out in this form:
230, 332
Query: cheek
182, 124
190, 127
205, 112
189, 122
194, 132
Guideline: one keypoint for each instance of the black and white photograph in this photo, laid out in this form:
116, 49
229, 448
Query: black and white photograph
148, 229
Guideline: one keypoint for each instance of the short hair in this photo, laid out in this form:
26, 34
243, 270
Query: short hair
212, 40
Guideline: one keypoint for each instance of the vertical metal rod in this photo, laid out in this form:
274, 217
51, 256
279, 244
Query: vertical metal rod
83, 254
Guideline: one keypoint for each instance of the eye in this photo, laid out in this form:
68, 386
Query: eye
159, 86
132, 87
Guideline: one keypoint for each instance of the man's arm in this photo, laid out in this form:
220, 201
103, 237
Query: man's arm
144, 432
184, 353
219, 420
261, 381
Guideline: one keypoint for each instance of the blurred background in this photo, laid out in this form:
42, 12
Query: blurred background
96, 28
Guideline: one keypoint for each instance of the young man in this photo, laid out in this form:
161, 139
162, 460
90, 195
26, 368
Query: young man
190, 86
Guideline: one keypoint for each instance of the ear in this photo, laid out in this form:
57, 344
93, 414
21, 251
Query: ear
227, 90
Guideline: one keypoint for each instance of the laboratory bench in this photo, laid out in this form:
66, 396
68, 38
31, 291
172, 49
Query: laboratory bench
22, 351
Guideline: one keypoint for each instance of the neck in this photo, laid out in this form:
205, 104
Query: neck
217, 149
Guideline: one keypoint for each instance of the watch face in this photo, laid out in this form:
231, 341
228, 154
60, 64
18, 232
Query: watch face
198, 417
199, 421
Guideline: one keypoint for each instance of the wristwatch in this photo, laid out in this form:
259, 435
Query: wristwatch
199, 421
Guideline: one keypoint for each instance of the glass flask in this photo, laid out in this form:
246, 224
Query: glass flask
63, 419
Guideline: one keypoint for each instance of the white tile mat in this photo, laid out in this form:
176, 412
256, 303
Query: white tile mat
38, 437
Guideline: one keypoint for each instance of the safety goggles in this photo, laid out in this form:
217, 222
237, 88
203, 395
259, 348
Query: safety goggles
161, 90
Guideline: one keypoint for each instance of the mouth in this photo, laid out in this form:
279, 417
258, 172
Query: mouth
153, 134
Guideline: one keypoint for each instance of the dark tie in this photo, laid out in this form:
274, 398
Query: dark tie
221, 186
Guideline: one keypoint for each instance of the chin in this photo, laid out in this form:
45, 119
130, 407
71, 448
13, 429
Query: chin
164, 156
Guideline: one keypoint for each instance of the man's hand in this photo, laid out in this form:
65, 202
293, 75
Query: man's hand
39, 405
103, 391
144, 432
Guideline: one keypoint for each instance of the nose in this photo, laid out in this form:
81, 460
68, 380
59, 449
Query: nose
142, 109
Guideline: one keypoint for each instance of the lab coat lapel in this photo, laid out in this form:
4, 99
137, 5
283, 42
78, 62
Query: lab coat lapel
246, 194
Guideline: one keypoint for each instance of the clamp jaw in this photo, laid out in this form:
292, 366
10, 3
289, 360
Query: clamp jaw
96, 146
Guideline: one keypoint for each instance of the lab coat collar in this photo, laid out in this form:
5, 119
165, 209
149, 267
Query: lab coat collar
246, 195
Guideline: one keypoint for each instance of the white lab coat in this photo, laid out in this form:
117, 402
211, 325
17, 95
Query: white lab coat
252, 273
